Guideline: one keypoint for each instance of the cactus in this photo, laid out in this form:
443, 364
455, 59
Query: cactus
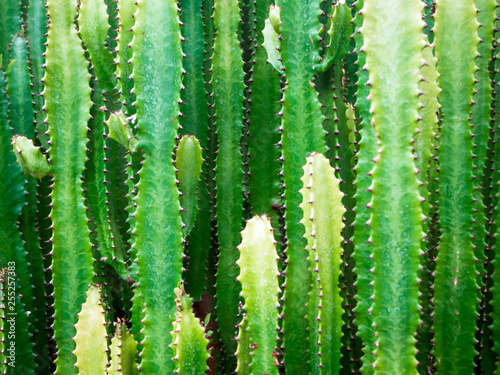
455, 288
123, 351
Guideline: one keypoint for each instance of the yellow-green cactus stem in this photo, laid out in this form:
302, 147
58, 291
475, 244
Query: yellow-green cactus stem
67, 102
393, 43
455, 287
189, 341
123, 351
91, 338
258, 277
30, 158
121, 132
323, 220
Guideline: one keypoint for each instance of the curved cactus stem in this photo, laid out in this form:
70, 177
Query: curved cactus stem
120, 131
271, 44
323, 214
189, 342
91, 339
67, 96
188, 162
31, 160
157, 63
393, 42
123, 351
258, 263
228, 88
455, 288
94, 26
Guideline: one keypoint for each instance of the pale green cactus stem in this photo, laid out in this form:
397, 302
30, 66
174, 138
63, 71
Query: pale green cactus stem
30, 157
91, 338
189, 342
393, 43
323, 221
120, 131
455, 287
188, 162
123, 351
258, 262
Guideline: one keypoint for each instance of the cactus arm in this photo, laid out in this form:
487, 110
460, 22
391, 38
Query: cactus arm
94, 26
157, 76
120, 131
67, 97
271, 44
362, 248
91, 343
10, 25
302, 133
194, 120
243, 356
36, 24
455, 289
189, 341
126, 10
30, 158
323, 213
338, 35
228, 87
188, 162
392, 35
123, 351
11, 243
259, 288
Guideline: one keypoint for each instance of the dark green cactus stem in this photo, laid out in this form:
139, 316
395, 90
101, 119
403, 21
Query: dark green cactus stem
123, 351
302, 133
393, 42
91, 339
110, 247
157, 63
323, 214
10, 25
67, 98
228, 86
258, 263
126, 10
425, 152
13, 257
362, 248
36, 23
94, 26
455, 289
189, 341
188, 163
194, 120
21, 116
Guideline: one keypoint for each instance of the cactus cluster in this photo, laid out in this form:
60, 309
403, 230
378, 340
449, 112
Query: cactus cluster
253, 187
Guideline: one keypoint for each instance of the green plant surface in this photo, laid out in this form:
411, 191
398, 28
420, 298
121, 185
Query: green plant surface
91, 339
323, 215
392, 33
13, 257
259, 289
123, 350
67, 102
302, 133
10, 25
188, 162
228, 87
93, 25
455, 288
189, 341
157, 63
363, 251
